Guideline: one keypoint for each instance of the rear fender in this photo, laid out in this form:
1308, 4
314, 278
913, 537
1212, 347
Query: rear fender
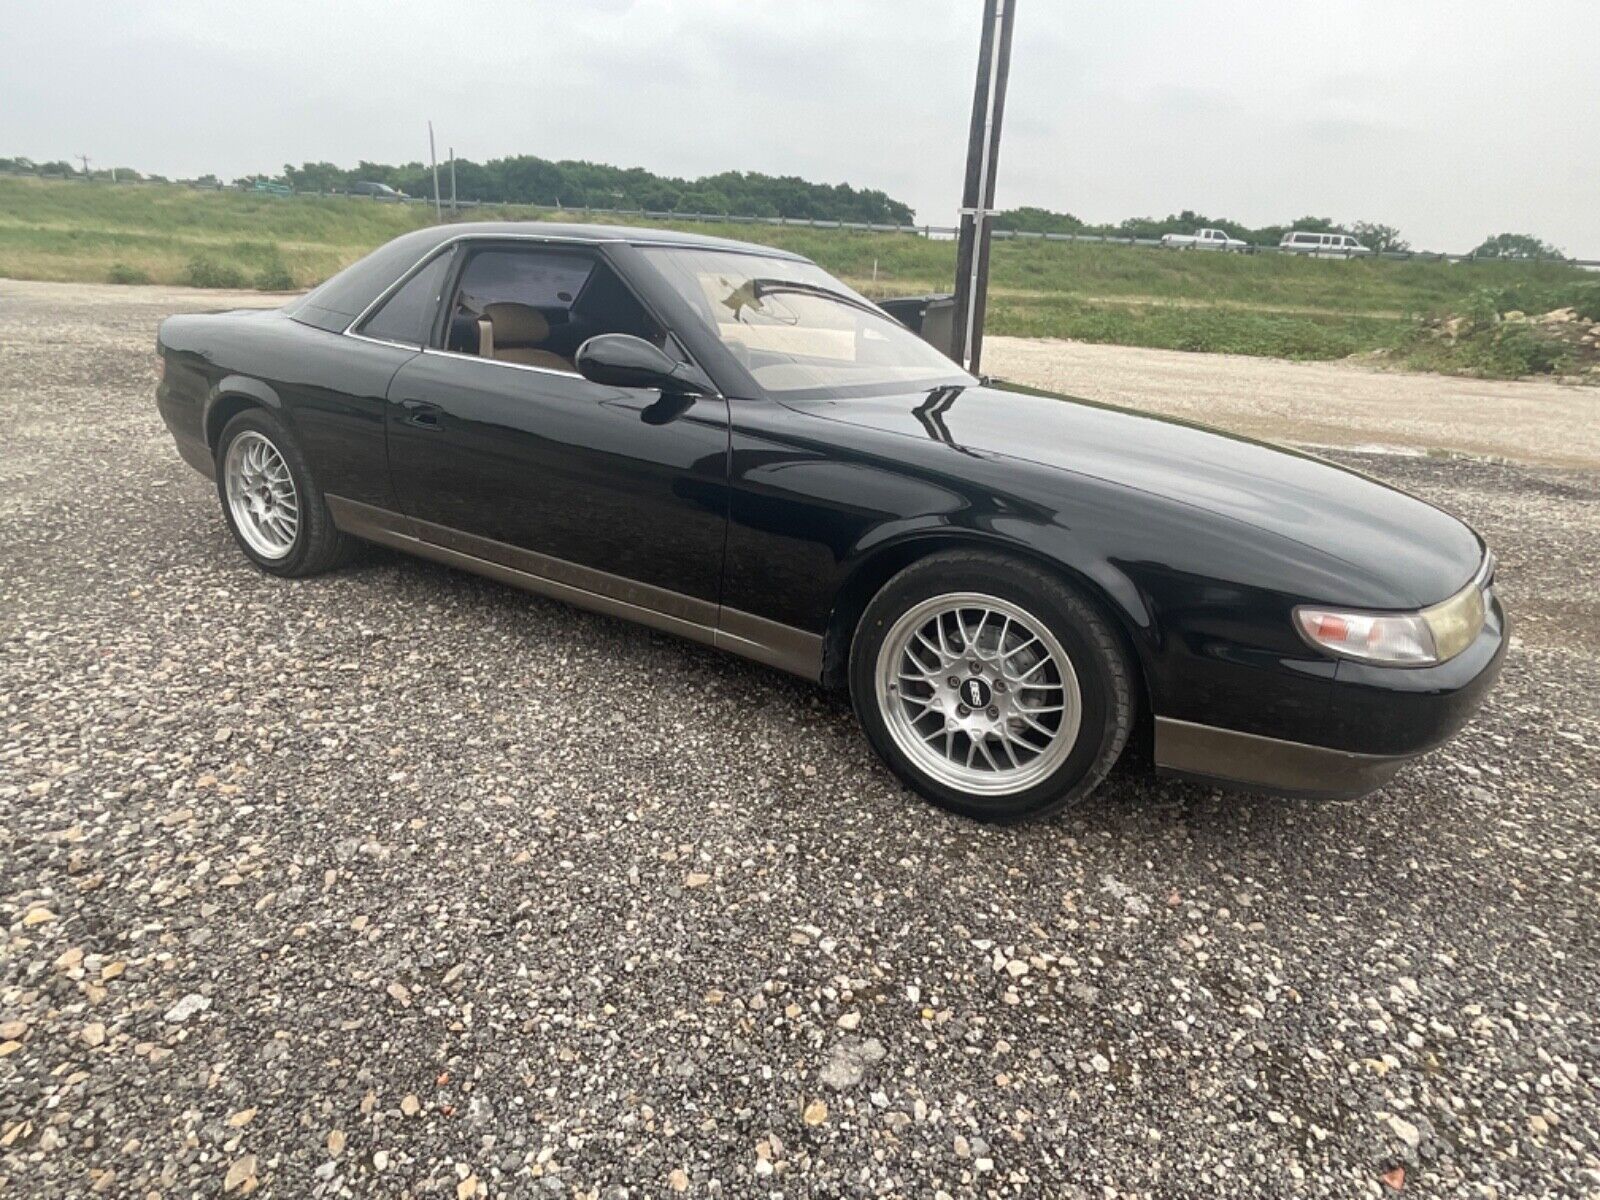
232, 394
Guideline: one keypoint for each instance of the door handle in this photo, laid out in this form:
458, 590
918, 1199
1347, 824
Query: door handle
421, 414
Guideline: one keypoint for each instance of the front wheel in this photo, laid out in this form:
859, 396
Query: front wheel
991, 687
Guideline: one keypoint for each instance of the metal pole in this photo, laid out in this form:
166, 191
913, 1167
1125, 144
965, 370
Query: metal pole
438, 212
983, 158
452, 179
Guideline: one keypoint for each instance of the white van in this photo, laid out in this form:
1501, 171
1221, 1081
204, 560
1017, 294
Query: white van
1326, 245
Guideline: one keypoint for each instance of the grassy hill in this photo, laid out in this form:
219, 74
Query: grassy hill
1259, 304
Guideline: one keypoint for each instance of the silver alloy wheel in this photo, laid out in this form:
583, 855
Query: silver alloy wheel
261, 495
978, 693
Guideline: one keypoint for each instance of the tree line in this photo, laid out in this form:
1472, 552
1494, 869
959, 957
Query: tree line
528, 179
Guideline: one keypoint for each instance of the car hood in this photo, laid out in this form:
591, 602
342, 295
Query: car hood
1418, 553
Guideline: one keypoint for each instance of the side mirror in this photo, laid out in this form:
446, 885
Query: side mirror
622, 360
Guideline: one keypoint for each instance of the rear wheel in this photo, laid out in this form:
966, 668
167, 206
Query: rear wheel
991, 687
271, 502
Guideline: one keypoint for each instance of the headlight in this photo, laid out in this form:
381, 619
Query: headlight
1417, 639
1397, 639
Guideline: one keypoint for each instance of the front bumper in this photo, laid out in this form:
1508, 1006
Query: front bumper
1379, 719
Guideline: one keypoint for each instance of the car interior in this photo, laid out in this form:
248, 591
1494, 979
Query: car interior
535, 306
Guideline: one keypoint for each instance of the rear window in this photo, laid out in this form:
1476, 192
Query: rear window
348, 293
406, 317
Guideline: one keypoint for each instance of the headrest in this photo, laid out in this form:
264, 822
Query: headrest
516, 324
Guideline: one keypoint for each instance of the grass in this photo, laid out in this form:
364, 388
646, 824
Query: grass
1273, 305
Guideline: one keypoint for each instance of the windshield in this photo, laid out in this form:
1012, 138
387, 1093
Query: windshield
799, 331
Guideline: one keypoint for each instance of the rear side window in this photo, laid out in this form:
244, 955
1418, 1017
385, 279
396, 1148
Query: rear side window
406, 317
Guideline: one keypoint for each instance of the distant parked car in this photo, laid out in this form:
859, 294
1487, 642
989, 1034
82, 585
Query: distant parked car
378, 191
1204, 239
1323, 245
272, 189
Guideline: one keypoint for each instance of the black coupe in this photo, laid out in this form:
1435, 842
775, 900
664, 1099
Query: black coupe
722, 441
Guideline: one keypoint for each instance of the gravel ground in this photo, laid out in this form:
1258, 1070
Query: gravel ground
399, 882
1332, 403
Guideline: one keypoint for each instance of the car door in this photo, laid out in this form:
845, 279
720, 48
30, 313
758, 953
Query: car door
500, 450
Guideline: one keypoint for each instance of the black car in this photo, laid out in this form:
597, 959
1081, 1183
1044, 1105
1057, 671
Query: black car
378, 191
722, 441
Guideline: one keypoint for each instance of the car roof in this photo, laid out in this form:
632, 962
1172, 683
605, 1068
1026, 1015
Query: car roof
595, 233
348, 294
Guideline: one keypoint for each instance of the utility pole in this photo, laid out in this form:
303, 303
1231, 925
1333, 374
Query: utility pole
84, 159
438, 212
452, 179
977, 199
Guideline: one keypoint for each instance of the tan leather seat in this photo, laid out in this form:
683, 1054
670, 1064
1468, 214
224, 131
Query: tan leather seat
515, 333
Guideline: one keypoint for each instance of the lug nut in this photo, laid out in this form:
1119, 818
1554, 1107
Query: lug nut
953, 681
999, 685
963, 711
974, 667
994, 712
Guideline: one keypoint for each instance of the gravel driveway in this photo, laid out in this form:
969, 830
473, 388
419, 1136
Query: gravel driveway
1328, 403
398, 882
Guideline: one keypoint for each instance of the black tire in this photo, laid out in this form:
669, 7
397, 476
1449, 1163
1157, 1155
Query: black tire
318, 546
1091, 644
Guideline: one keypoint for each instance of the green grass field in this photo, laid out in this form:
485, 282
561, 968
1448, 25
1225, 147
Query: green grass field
1258, 304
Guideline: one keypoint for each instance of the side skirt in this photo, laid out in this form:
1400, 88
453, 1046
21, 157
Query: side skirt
742, 633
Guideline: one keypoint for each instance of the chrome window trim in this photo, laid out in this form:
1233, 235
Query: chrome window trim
363, 337
500, 362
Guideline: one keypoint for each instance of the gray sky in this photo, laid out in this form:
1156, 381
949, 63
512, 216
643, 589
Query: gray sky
1452, 120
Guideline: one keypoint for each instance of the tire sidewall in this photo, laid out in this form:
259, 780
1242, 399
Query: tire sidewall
1069, 618
263, 422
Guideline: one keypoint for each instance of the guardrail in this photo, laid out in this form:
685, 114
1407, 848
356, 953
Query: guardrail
942, 232
951, 231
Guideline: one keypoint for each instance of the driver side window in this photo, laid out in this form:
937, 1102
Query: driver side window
533, 306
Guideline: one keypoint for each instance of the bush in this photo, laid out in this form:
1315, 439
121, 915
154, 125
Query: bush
123, 273
1521, 350
275, 279
1586, 300
205, 272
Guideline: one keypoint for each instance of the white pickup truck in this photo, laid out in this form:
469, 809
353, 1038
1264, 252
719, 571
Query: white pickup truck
1204, 239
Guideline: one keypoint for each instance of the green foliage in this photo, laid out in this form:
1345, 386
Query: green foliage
203, 271
123, 273
1038, 220
275, 279
1585, 300
1515, 245
1490, 351
526, 179
1382, 238
1269, 304
1542, 294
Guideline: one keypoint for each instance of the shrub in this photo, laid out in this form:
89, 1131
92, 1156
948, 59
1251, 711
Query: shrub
123, 273
275, 278
205, 272
1585, 300
1521, 350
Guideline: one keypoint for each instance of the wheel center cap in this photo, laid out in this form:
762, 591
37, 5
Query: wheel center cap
975, 693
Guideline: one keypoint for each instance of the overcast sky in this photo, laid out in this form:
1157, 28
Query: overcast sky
1452, 120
